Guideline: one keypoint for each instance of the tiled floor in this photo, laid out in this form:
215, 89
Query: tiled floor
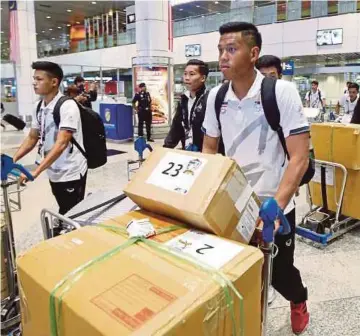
331, 274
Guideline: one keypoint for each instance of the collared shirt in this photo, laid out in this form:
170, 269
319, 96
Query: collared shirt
71, 164
314, 98
349, 108
191, 101
247, 136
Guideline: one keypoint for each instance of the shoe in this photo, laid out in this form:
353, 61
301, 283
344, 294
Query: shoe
299, 317
151, 140
271, 295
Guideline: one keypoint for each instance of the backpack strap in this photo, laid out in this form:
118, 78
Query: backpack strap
56, 115
271, 110
219, 99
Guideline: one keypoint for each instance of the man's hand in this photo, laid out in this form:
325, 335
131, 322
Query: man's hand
23, 179
80, 99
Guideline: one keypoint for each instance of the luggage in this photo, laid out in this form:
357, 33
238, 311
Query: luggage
14, 121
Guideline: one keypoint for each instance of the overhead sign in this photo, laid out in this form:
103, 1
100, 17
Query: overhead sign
329, 37
192, 50
288, 68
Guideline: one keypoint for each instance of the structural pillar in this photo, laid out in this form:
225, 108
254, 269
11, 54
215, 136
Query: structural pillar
27, 55
154, 63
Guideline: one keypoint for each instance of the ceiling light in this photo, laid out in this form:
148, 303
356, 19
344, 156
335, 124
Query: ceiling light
59, 27
77, 22
40, 41
197, 6
53, 38
180, 9
216, 2
124, 10
68, 25
93, 2
50, 29
43, 31
48, 17
202, 15
2, 32
110, 12
69, 10
6, 42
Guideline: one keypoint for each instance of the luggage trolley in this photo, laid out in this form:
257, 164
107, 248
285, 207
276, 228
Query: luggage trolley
321, 225
10, 305
115, 206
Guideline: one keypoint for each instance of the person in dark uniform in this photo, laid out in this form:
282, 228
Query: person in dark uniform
142, 105
190, 111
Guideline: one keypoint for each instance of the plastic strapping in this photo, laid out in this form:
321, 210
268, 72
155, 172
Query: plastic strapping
75, 275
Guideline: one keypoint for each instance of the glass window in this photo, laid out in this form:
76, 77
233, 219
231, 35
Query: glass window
294, 10
333, 7
265, 12
281, 10
305, 9
319, 8
346, 6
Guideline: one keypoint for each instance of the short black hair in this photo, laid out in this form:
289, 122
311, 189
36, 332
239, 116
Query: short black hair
53, 69
354, 86
267, 61
348, 83
203, 67
141, 85
247, 29
78, 79
315, 82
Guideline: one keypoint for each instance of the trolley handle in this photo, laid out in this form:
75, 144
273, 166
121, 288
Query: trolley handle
269, 213
9, 167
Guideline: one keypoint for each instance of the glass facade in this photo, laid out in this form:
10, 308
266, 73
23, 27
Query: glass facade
104, 31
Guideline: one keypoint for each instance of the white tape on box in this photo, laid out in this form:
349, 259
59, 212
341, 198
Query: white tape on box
177, 172
206, 248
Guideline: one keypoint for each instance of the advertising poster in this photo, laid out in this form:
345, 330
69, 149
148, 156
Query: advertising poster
156, 80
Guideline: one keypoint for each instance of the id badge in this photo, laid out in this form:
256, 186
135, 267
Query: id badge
188, 138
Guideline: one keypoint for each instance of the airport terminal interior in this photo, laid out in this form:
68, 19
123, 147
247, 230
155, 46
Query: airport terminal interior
138, 263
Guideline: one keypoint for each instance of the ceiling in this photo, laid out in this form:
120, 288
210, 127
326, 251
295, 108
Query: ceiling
54, 18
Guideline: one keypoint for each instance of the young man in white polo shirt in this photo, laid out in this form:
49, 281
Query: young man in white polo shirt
315, 98
65, 165
349, 102
249, 140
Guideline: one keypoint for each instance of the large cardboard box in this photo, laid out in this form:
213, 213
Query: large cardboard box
334, 180
338, 143
207, 191
139, 290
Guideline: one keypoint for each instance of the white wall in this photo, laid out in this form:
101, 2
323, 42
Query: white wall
295, 38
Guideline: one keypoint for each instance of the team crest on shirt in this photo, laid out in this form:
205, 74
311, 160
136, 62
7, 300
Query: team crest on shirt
223, 107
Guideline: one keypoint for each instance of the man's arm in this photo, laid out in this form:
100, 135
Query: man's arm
28, 144
176, 132
298, 148
210, 145
62, 141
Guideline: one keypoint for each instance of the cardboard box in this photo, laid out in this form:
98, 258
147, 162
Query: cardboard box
209, 192
334, 179
139, 290
338, 143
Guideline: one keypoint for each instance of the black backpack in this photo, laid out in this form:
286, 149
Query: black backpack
93, 133
272, 114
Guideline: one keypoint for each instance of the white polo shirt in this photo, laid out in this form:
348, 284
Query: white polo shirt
314, 99
71, 164
349, 108
248, 138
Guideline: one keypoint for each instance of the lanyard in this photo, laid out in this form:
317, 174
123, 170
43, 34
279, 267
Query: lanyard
192, 115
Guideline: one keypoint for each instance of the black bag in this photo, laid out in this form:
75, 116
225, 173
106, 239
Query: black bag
14, 121
93, 134
272, 114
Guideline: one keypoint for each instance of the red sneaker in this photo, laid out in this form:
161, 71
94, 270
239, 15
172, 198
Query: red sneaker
299, 317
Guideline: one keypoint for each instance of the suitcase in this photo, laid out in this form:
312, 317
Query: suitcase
14, 121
